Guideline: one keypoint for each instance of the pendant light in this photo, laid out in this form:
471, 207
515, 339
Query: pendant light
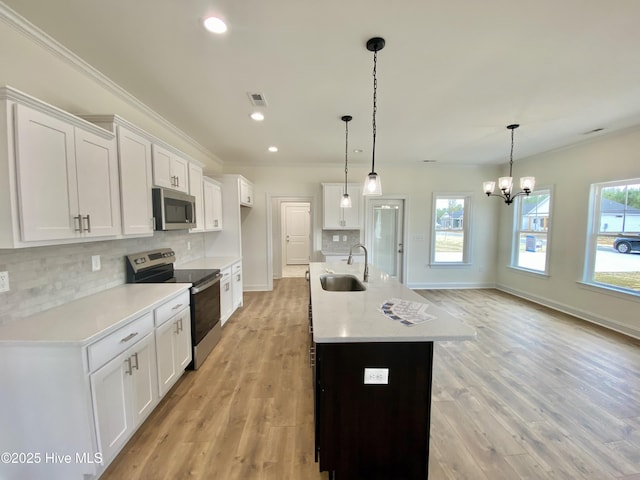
505, 184
345, 202
372, 185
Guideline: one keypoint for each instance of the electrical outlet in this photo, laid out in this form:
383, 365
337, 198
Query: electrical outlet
95, 263
344, 238
336, 238
188, 245
4, 281
376, 376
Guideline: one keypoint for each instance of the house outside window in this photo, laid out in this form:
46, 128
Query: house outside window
613, 247
450, 238
531, 231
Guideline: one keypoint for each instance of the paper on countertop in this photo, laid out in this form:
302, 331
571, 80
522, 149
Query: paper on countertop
406, 312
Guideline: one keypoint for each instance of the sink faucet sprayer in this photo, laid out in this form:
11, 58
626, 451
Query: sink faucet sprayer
366, 260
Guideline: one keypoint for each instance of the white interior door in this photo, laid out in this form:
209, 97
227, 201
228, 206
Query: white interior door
385, 235
296, 233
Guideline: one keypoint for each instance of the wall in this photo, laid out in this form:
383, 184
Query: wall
44, 277
37, 65
417, 184
571, 171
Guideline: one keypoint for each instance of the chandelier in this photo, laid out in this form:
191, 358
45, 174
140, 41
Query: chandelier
505, 184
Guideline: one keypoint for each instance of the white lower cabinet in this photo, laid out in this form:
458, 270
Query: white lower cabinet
236, 273
226, 295
173, 344
82, 400
125, 391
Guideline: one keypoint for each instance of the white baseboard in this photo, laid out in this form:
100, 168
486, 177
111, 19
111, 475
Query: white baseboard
256, 288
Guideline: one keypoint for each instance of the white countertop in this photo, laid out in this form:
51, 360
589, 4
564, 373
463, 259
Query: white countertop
342, 317
210, 262
89, 318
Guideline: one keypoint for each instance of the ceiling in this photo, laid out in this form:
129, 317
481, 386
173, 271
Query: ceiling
452, 75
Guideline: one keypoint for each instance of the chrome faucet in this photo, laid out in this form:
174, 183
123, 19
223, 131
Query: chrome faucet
366, 259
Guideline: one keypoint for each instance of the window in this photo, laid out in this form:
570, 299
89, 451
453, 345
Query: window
613, 258
531, 231
450, 240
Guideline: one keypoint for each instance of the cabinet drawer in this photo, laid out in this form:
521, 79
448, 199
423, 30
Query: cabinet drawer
168, 309
109, 347
236, 268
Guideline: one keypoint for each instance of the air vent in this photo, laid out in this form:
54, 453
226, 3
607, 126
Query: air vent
257, 99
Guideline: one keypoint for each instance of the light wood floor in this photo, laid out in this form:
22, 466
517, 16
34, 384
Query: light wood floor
538, 395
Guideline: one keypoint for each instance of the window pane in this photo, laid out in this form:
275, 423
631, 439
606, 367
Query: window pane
533, 220
449, 242
617, 244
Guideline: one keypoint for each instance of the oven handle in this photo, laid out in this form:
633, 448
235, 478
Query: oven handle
204, 286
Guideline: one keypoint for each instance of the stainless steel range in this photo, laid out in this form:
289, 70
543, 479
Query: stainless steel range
156, 266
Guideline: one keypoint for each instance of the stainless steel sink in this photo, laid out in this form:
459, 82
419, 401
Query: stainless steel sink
341, 283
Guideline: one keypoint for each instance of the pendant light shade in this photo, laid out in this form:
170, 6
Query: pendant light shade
372, 184
345, 201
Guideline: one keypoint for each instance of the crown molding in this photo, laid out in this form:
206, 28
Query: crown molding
29, 30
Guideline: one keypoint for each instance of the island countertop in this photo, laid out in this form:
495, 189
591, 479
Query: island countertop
343, 317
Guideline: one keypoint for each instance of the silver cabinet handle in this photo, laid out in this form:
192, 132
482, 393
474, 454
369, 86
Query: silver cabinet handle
312, 356
226, 287
181, 326
177, 328
129, 370
238, 277
129, 337
177, 306
135, 355
88, 219
77, 218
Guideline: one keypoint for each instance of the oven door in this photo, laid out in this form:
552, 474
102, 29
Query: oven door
205, 308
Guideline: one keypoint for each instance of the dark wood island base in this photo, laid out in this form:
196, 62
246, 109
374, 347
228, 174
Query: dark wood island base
373, 431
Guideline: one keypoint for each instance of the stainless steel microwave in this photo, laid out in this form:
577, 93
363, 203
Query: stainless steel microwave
173, 210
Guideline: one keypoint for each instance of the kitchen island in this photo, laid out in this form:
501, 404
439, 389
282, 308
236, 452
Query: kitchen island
372, 374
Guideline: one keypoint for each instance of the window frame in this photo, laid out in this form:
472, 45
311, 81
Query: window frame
517, 231
593, 231
466, 228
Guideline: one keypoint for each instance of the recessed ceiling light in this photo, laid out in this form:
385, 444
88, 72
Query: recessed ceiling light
215, 25
257, 116
273, 149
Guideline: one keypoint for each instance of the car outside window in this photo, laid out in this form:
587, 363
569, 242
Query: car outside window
613, 259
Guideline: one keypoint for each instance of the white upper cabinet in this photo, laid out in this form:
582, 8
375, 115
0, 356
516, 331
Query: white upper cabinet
98, 186
196, 189
246, 193
334, 216
170, 170
45, 164
135, 183
67, 178
212, 205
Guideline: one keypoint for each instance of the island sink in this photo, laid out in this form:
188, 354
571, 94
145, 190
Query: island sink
341, 283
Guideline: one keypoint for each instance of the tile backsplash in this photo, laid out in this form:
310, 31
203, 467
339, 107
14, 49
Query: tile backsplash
44, 277
342, 245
